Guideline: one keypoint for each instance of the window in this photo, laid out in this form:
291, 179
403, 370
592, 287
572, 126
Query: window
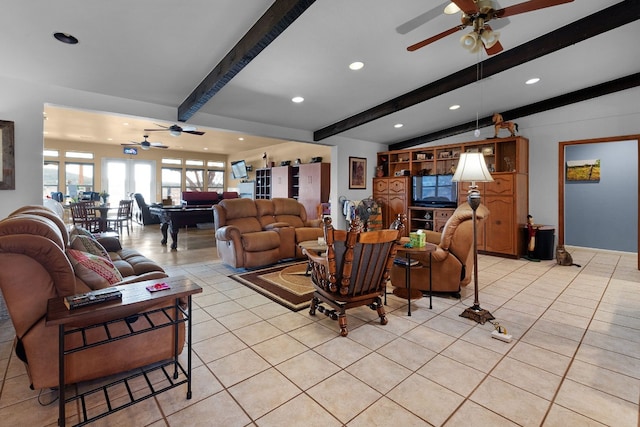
50, 178
194, 180
78, 155
172, 183
79, 178
215, 181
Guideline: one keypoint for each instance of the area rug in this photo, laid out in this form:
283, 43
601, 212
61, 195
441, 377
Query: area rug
285, 284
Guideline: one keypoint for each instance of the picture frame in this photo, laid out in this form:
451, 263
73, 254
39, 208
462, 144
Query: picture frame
7, 156
357, 173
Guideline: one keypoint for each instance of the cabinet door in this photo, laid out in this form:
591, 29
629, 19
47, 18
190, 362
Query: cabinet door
499, 226
314, 186
281, 181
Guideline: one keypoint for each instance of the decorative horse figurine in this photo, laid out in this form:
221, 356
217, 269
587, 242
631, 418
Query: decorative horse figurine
499, 123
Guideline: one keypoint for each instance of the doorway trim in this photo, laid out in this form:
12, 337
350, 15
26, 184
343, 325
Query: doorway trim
561, 176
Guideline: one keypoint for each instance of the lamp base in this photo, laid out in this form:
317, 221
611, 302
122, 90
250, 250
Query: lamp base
478, 314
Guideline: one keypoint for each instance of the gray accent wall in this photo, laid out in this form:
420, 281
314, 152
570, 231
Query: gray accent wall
603, 214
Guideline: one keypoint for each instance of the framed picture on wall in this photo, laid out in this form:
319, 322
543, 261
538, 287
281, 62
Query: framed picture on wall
8, 178
583, 170
357, 173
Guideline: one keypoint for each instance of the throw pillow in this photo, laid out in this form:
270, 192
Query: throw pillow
79, 231
97, 272
111, 244
88, 244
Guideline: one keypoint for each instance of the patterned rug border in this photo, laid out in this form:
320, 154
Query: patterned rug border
290, 300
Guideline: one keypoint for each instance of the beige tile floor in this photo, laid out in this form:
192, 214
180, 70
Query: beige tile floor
574, 359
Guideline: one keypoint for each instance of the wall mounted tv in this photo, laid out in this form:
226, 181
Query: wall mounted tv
239, 170
436, 191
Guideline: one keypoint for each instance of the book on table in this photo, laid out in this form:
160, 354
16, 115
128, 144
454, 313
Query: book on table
403, 261
92, 297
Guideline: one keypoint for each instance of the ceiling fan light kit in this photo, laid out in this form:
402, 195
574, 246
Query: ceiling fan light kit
478, 13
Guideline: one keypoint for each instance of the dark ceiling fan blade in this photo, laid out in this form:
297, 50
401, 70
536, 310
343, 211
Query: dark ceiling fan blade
155, 130
435, 38
130, 143
193, 132
467, 6
421, 19
528, 6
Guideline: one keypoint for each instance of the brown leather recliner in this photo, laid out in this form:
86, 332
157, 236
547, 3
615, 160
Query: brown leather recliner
452, 259
34, 268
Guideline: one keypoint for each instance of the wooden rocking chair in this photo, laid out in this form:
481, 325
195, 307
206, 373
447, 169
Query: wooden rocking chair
353, 272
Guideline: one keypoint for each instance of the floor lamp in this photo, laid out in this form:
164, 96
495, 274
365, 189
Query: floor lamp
472, 168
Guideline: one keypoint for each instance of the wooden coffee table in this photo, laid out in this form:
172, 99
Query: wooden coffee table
312, 245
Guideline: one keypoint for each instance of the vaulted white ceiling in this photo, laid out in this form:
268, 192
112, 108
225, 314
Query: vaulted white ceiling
158, 51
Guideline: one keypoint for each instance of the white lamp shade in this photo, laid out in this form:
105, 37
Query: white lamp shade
470, 42
489, 38
472, 168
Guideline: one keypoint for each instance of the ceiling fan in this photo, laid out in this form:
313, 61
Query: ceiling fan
145, 145
176, 130
477, 14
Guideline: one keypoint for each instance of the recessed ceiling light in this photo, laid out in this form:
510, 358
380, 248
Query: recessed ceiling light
297, 99
454, 107
241, 139
125, 124
65, 38
532, 81
206, 148
109, 139
398, 125
356, 65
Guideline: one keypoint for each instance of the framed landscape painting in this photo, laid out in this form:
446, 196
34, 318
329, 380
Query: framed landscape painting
583, 170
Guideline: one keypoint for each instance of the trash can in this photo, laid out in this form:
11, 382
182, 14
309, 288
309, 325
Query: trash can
545, 242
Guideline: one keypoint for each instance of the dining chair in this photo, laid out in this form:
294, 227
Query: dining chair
81, 216
123, 216
353, 272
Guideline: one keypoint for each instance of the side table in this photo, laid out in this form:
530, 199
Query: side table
314, 246
408, 251
138, 301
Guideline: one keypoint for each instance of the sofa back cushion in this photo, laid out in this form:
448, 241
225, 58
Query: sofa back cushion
241, 213
24, 223
266, 212
289, 211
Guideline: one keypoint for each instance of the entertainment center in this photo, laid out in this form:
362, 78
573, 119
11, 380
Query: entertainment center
427, 198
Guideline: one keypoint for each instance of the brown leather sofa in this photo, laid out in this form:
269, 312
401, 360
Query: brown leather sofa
254, 233
34, 267
452, 259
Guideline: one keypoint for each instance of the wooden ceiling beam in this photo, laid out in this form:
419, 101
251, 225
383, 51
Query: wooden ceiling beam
600, 22
271, 24
623, 83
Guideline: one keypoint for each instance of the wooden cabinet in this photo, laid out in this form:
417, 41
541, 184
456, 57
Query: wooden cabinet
309, 183
421, 218
393, 195
507, 198
263, 183
282, 181
313, 186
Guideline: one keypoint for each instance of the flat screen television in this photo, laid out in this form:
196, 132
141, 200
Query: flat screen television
239, 170
437, 191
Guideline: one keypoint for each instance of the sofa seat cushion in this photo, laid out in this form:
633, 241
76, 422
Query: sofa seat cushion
292, 220
132, 263
304, 234
95, 271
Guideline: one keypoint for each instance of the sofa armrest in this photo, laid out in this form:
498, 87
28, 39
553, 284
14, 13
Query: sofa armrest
152, 275
228, 232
